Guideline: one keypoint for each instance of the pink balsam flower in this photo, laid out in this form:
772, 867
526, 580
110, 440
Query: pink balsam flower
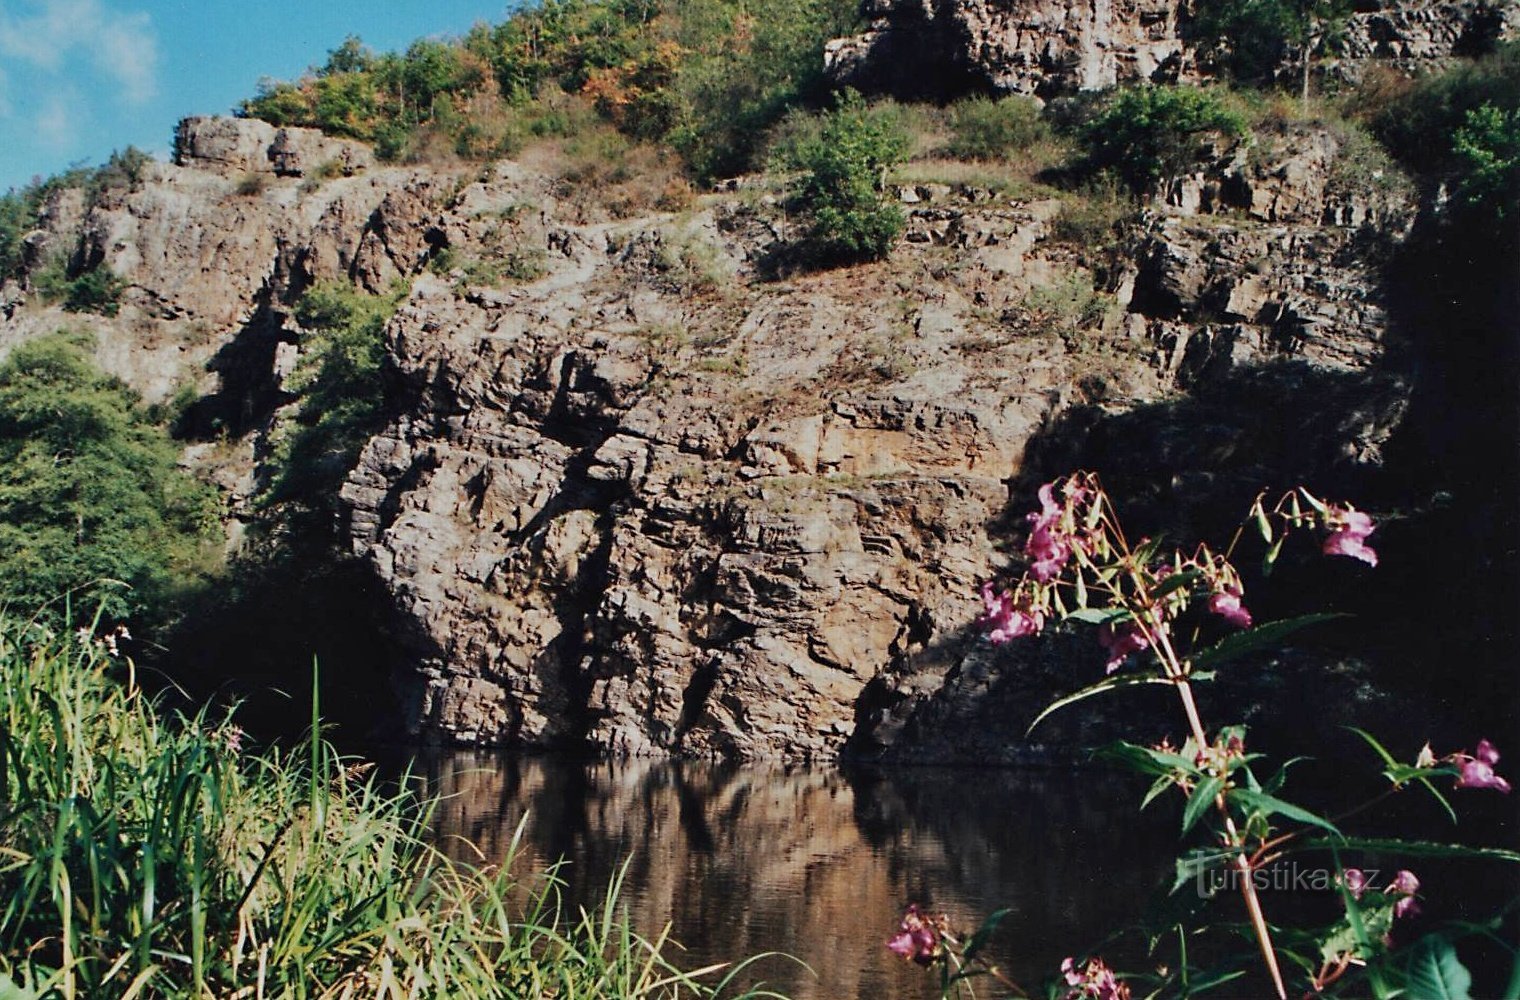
1120, 643
1094, 981
1004, 619
917, 938
1226, 604
1047, 549
1348, 534
1476, 770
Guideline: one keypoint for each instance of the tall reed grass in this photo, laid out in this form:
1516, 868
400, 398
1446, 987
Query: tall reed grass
144, 854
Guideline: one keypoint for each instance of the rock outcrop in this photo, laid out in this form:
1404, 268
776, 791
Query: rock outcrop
1047, 48
637, 496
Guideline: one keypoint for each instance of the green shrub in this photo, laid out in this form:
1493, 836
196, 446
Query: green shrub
849, 217
1252, 39
342, 394
90, 491
155, 857
1148, 135
1487, 148
985, 129
97, 290
1420, 126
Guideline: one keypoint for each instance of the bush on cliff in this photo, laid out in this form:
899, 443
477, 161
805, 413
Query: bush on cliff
1149, 135
340, 381
93, 506
841, 192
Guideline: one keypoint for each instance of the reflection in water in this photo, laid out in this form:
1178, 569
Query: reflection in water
818, 862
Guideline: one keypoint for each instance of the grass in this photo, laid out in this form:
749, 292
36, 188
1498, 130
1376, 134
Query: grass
148, 855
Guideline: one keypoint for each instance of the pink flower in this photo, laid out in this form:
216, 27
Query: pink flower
1405, 885
1046, 547
916, 939
1095, 981
1348, 534
1476, 774
1004, 620
1226, 604
1121, 642
1355, 882
1477, 769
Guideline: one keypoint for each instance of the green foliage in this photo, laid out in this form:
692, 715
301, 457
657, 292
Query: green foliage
1487, 149
1462, 128
97, 290
90, 491
1148, 135
705, 76
1252, 39
153, 857
985, 129
1419, 127
850, 218
342, 390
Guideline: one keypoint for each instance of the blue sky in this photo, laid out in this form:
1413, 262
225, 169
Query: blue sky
79, 78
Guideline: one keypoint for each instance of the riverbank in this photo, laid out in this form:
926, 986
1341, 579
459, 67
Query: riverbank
144, 854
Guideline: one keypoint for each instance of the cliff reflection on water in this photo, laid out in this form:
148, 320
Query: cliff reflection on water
817, 862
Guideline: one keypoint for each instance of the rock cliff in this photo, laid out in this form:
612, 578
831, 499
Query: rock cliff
645, 497
1047, 48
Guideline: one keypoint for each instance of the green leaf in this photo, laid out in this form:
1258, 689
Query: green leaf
1271, 805
1200, 800
1160, 786
1148, 760
10, 991
1235, 646
1435, 972
1108, 684
1175, 582
1375, 745
1098, 616
1270, 559
1192, 866
979, 939
1406, 848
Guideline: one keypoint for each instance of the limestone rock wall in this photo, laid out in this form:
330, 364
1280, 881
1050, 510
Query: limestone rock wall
1046, 48
638, 495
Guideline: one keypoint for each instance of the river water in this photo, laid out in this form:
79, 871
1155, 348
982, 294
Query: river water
817, 862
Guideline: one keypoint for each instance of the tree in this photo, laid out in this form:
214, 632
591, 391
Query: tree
1487, 149
1148, 135
1253, 38
841, 191
90, 492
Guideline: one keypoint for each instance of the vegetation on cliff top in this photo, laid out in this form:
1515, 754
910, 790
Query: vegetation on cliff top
704, 76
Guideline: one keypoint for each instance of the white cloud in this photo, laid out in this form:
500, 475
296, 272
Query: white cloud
49, 34
54, 125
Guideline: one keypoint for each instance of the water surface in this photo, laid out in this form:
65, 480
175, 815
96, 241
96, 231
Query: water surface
817, 861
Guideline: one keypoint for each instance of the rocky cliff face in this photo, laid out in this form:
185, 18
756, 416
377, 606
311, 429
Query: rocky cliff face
1046, 48
645, 498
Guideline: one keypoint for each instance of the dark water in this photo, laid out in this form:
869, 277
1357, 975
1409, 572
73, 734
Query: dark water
817, 862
